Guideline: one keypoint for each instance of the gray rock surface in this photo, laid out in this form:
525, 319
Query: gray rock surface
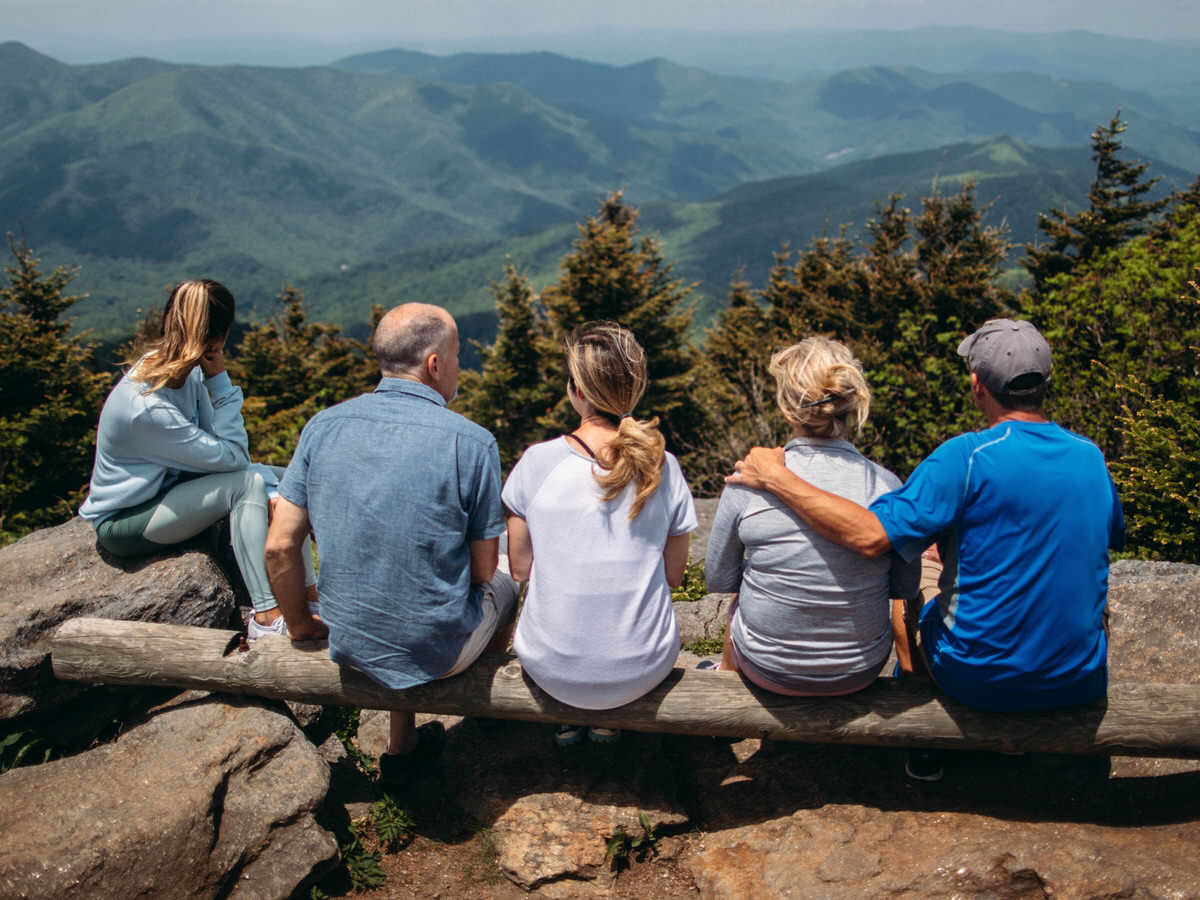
702, 618
1154, 635
59, 573
855, 851
207, 797
706, 508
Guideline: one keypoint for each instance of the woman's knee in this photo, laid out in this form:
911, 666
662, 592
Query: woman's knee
249, 485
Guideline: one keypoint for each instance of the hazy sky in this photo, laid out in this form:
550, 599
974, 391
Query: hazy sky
79, 30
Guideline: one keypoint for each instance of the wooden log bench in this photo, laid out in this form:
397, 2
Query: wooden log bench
1161, 720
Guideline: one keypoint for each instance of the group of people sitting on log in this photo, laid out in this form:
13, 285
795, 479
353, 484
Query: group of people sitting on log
987, 569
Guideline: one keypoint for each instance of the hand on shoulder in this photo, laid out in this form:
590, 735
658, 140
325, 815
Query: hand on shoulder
760, 464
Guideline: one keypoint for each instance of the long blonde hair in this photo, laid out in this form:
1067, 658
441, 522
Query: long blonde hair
821, 388
607, 367
197, 312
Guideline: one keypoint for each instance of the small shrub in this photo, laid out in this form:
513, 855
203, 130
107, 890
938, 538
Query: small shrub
709, 646
489, 855
24, 748
393, 825
693, 587
343, 721
361, 862
621, 846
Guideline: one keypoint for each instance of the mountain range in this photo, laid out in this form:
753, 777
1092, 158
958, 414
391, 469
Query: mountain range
399, 175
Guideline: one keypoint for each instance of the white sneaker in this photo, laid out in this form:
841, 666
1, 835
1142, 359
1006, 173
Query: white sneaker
254, 630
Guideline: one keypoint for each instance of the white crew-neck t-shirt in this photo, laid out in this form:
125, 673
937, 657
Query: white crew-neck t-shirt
597, 629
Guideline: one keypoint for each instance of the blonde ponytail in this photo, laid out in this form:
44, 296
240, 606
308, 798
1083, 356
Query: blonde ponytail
636, 454
607, 366
196, 313
821, 388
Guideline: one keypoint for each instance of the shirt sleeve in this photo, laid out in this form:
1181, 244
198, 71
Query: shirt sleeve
485, 515
726, 553
683, 506
516, 488
1116, 532
929, 502
293, 486
166, 437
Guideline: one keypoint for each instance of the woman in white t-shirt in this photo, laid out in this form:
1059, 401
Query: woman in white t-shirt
599, 525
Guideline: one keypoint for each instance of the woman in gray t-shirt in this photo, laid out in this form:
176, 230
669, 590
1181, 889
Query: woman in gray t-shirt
811, 617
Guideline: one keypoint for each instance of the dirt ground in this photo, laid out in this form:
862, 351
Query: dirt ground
430, 869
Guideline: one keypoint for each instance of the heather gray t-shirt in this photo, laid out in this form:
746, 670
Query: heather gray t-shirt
807, 606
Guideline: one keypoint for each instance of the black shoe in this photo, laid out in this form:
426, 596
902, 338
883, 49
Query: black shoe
398, 769
924, 765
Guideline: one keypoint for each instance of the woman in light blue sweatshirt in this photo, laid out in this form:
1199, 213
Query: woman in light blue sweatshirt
172, 456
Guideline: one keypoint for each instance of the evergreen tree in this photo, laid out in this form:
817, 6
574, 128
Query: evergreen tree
821, 293
1156, 472
734, 390
1123, 319
49, 398
509, 394
614, 273
924, 300
1117, 211
290, 369
902, 303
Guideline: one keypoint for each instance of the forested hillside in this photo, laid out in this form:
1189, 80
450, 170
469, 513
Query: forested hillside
1112, 285
402, 174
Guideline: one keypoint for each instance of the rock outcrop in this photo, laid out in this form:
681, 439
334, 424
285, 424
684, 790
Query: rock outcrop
211, 796
59, 573
844, 822
206, 797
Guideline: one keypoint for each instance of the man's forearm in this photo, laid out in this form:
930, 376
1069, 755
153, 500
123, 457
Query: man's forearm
840, 520
285, 570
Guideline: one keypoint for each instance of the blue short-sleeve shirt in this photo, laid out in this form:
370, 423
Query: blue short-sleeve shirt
396, 487
1024, 514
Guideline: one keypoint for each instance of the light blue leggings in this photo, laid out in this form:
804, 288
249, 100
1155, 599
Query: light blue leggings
189, 507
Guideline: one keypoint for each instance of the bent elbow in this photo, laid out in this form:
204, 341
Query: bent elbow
873, 547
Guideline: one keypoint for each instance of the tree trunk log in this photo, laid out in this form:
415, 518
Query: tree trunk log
1137, 719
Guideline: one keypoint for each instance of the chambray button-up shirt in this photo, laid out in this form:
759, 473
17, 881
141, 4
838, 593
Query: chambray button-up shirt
396, 487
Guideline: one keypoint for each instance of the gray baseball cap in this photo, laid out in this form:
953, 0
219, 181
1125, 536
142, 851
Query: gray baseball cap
1002, 351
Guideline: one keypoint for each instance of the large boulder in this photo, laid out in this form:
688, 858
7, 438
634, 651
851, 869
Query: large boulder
59, 573
855, 851
207, 797
1154, 635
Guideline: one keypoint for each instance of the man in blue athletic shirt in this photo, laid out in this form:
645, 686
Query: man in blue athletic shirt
1023, 513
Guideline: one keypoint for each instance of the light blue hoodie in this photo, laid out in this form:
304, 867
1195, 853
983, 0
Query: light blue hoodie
146, 440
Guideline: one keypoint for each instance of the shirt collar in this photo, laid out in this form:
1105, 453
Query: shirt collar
408, 386
832, 443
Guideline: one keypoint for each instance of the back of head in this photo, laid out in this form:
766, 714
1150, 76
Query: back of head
406, 336
607, 368
820, 388
1012, 360
197, 313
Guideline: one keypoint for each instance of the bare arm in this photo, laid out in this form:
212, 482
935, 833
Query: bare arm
520, 549
285, 569
675, 557
485, 556
836, 518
